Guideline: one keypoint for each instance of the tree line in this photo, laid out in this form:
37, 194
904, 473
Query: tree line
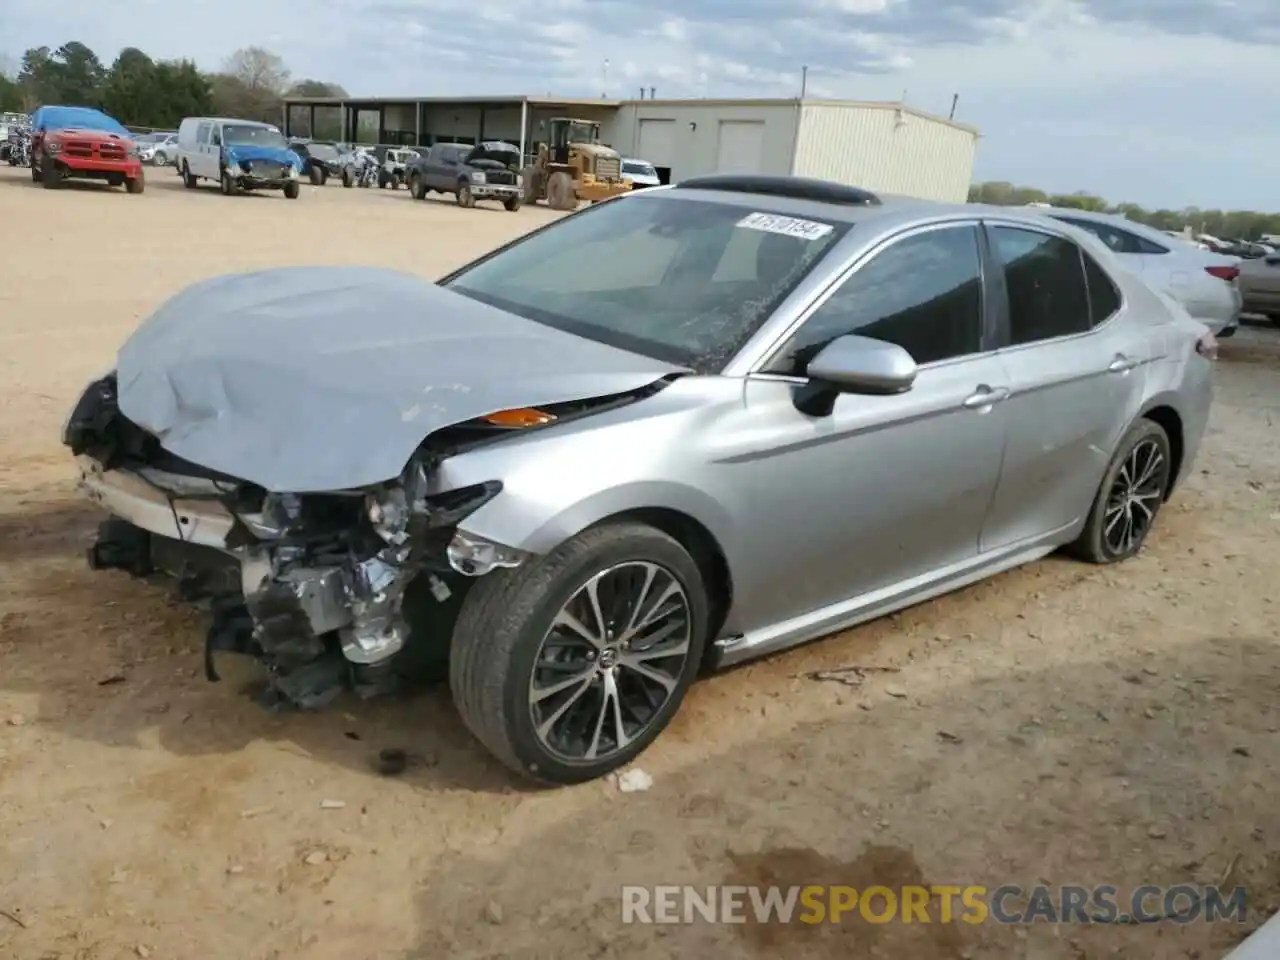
142, 92
1225, 224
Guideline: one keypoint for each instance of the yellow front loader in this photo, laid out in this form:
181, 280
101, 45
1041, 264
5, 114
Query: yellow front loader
573, 165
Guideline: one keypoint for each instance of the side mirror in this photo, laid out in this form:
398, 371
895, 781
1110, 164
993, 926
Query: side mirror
854, 364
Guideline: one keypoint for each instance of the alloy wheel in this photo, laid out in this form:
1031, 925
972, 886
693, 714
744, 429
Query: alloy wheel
613, 657
1135, 497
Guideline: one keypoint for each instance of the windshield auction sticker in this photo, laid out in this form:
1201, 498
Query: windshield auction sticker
787, 226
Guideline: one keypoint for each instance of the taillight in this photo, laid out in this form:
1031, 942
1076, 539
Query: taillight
1207, 346
1223, 273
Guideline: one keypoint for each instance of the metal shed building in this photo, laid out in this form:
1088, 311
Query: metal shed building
886, 147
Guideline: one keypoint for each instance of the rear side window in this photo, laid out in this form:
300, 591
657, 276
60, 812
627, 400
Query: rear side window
1044, 275
202, 132
1104, 298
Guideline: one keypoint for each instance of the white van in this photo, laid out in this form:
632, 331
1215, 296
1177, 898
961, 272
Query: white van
237, 155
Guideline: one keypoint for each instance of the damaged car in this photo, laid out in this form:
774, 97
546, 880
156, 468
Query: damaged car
777, 409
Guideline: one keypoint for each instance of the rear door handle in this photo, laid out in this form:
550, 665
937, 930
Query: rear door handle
986, 397
1121, 364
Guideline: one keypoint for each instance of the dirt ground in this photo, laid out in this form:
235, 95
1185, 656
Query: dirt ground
1062, 724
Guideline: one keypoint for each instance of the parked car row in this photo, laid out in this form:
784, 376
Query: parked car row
1203, 282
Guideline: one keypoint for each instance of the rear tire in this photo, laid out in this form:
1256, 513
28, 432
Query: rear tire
529, 179
1129, 498
160, 159
502, 648
135, 184
347, 179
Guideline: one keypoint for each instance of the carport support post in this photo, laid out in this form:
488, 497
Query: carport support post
417, 124
524, 128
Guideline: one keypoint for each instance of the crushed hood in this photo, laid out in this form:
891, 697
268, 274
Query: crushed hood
308, 379
248, 152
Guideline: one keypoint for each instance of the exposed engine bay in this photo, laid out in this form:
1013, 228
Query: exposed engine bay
325, 589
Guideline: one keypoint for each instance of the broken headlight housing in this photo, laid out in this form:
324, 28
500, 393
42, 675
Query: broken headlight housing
395, 511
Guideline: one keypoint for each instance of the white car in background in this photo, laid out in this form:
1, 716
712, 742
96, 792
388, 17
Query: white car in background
1202, 282
641, 174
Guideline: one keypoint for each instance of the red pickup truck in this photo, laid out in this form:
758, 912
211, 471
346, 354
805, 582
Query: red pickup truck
83, 143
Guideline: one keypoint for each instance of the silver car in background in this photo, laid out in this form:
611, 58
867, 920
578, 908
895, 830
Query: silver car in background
770, 409
1204, 282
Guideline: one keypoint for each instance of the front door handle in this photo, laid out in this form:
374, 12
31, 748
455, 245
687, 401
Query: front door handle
986, 397
1121, 364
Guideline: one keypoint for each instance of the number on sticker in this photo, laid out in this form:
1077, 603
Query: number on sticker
787, 226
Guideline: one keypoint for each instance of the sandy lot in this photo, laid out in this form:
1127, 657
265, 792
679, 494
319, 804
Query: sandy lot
1060, 724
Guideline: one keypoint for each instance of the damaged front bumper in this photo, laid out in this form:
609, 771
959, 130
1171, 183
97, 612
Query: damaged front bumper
312, 585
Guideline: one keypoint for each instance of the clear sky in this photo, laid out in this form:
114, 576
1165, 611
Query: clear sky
1160, 102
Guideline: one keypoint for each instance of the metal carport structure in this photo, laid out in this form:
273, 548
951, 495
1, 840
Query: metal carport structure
421, 121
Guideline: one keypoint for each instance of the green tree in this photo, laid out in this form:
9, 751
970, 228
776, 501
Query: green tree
130, 91
317, 88
38, 75
1226, 224
79, 74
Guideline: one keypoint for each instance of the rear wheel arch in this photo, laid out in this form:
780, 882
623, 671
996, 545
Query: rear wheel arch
1169, 419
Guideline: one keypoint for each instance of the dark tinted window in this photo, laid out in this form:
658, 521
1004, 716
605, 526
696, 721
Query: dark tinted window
923, 293
1120, 241
1104, 298
1045, 279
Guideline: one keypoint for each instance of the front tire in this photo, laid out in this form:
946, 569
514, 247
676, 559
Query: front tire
1129, 498
160, 158
188, 179
227, 184
347, 179
50, 175
465, 197
317, 177
512, 204
567, 668
291, 190
417, 189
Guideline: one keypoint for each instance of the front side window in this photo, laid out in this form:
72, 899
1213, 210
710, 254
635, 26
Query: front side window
239, 134
923, 293
1044, 276
687, 281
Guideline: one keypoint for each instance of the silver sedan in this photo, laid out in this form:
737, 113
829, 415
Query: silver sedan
672, 432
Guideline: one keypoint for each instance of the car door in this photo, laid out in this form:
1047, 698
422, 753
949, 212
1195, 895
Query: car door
1076, 361
199, 161
884, 489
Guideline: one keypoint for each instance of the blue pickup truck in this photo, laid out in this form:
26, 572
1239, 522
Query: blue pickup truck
470, 172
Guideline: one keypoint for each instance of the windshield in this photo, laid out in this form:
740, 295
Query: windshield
252, 135
323, 151
686, 281
638, 169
